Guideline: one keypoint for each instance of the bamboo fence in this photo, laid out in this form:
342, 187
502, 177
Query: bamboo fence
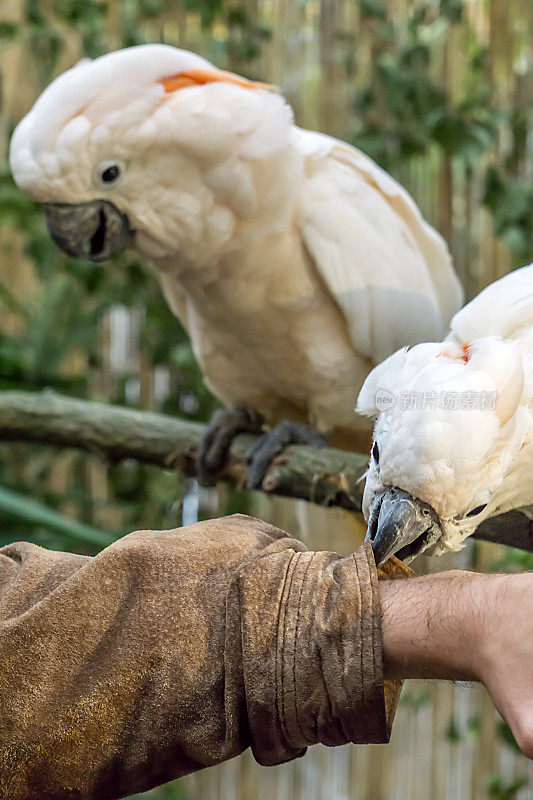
444, 744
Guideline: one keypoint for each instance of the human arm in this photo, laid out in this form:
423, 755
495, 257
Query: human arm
174, 650
465, 626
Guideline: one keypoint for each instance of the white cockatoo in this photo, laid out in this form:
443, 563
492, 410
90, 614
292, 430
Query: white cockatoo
453, 438
293, 261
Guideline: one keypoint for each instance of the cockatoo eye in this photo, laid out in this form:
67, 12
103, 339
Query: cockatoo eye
477, 510
109, 172
375, 452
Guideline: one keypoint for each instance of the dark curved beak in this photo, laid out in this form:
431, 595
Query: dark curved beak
94, 231
401, 525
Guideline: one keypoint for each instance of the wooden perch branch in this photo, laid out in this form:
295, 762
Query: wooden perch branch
323, 476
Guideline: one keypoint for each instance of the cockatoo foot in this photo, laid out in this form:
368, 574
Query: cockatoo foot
223, 427
263, 452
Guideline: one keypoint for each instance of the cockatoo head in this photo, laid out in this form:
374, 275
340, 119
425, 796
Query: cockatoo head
114, 147
451, 420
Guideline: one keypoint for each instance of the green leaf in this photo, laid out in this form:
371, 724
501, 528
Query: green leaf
373, 9
8, 30
453, 733
151, 8
209, 10
452, 9
76, 12
474, 724
33, 11
499, 789
510, 201
237, 16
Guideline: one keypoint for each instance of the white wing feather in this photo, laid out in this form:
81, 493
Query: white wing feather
388, 270
502, 309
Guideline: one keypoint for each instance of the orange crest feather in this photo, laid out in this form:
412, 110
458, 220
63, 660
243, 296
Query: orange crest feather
467, 352
199, 77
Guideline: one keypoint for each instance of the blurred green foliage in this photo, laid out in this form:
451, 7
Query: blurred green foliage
404, 112
500, 789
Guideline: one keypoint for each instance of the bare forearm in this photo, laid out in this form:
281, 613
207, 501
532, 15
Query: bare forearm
465, 626
429, 624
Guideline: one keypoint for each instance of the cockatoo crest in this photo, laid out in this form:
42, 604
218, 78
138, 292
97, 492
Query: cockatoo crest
159, 117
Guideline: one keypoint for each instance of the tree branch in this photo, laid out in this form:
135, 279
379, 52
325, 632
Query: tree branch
323, 476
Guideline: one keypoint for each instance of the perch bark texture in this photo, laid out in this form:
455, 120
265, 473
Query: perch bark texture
320, 475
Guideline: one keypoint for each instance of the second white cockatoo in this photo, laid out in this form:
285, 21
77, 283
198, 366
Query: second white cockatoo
293, 261
453, 438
